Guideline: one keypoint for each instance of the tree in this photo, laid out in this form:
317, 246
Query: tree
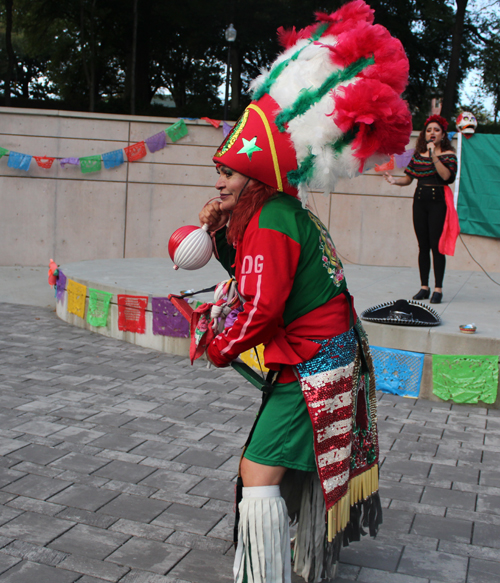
451, 88
423, 27
185, 55
67, 41
22, 71
9, 50
489, 64
116, 55
256, 45
120, 53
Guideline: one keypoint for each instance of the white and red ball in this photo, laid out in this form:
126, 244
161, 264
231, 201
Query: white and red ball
190, 247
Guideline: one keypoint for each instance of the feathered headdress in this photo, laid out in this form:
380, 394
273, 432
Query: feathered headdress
329, 106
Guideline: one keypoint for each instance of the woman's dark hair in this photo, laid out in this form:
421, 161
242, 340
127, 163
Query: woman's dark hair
421, 145
252, 198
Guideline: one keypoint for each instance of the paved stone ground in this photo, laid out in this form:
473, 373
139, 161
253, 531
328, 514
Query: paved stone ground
117, 465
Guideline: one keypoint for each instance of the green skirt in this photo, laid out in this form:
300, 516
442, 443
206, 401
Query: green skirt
284, 435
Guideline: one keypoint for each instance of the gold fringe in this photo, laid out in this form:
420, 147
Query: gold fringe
359, 488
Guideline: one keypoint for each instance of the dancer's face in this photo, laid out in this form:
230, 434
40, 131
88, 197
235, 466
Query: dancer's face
230, 185
434, 133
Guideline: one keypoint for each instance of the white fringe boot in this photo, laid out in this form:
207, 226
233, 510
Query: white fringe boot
263, 551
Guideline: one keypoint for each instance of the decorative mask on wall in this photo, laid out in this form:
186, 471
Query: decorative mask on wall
466, 123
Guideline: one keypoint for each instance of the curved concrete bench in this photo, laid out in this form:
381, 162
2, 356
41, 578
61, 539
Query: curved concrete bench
370, 286
145, 277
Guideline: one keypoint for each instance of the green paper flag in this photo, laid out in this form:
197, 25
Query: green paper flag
465, 379
3, 151
177, 131
90, 163
97, 314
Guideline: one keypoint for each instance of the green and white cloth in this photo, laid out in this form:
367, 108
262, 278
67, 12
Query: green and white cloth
478, 185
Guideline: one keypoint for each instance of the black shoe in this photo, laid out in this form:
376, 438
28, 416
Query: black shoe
436, 297
423, 294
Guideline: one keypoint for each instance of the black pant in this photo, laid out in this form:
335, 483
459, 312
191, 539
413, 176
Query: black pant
429, 213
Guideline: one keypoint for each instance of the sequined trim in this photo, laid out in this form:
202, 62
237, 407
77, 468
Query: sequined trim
334, 429
332, 376
329, 257
233, 135
336, 481
330, 405
334, 456
336, 394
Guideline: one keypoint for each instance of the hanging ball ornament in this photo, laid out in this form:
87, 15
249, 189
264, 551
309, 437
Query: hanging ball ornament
190, 247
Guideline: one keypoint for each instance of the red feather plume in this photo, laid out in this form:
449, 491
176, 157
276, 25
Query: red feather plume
381, 116
287, 38
342, 20
366, 40
347, 17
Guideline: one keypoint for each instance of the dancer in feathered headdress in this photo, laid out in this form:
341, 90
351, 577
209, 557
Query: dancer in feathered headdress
328, 107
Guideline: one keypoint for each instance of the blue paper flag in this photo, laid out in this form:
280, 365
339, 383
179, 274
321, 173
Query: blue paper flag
398, 372
112, 159
18, 160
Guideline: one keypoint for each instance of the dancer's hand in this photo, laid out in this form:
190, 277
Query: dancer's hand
212, 215
389, 178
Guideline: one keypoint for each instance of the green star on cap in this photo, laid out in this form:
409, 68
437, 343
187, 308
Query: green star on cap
250, 147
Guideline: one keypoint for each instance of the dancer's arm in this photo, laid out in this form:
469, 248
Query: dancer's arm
399, 181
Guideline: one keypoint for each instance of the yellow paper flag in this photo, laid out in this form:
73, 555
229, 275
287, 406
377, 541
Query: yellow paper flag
250, 357
76, 298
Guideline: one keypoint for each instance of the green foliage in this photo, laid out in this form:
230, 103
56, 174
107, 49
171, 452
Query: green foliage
80, 54
29, 70
423, 27
489, 63
71, 41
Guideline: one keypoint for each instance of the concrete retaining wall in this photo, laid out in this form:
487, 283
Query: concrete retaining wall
130, 211
167, 344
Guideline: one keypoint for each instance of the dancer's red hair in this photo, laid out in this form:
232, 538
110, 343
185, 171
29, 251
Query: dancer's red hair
251, 200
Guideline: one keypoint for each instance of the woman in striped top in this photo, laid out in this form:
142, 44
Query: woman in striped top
434, 165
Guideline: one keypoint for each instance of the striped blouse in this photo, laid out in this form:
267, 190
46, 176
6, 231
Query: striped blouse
423, 169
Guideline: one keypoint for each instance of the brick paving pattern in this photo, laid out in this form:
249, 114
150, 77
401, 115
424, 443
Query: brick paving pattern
117, 465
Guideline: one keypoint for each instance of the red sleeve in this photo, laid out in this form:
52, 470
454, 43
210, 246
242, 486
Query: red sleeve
265, 272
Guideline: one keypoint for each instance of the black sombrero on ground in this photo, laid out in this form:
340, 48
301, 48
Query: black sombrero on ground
402, 313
